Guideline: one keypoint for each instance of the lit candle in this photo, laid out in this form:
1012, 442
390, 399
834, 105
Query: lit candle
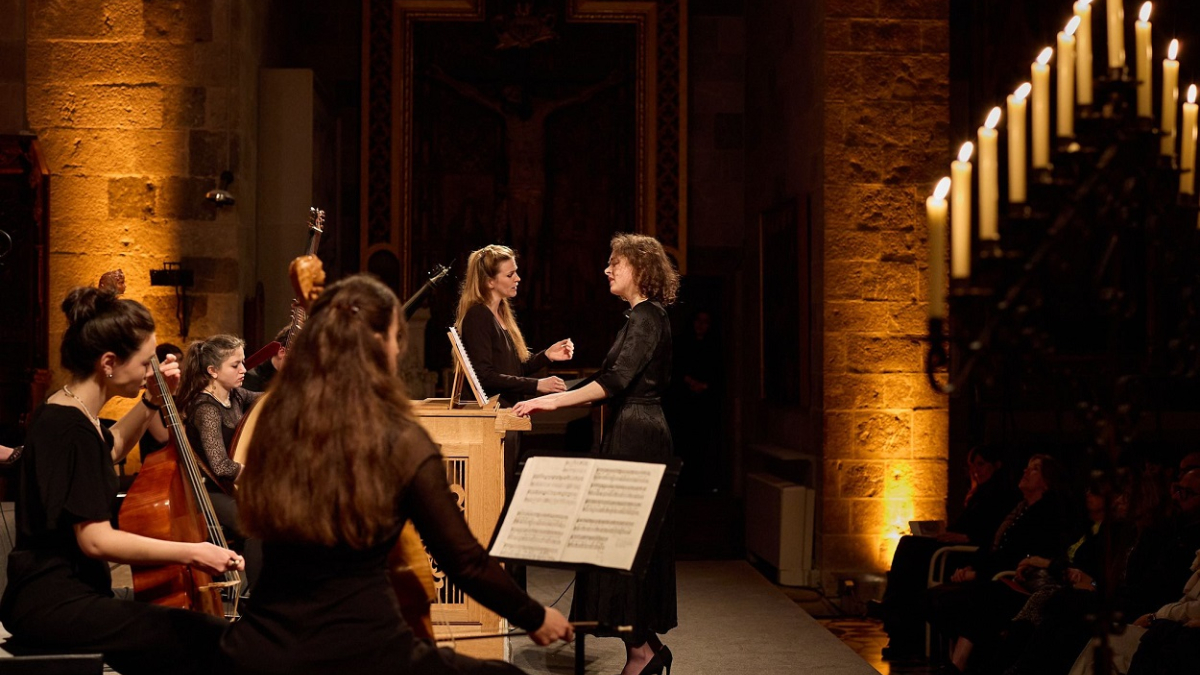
1016, 144
1066, 79
960, 213
1083, 57
1116, 34
989, 179
1187, 146
1145, 52
1170, 98
935, 215
1041, 109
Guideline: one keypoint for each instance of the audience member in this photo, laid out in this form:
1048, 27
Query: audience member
990, 498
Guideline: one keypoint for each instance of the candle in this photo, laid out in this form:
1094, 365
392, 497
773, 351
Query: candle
1116, 34
1016, 144
1187, 148
1066, 79
935, 215
1145, 52
960, 213
1083, 57
1170, 98
1041, 109
989, 180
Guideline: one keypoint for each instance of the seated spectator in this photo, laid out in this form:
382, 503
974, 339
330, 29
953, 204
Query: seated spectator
1050, 629
990, 498
973, 609
1157, 559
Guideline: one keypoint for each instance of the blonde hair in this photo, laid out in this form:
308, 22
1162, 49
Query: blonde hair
481, 267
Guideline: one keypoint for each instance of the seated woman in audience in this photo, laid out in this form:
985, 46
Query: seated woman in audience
1051, 628
357, 467
974, 609
990, 498
1158, 555
59, 595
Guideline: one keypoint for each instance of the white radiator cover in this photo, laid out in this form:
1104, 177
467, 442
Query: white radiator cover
779, 526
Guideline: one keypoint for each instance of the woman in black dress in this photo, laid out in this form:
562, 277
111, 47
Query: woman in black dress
336, 467
213, 402
490, 333
634, 376
59, 597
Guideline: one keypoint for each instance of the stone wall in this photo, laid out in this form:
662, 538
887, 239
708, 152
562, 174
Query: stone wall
140, 105
886, 144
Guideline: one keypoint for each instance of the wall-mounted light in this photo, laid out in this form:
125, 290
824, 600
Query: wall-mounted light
222, 196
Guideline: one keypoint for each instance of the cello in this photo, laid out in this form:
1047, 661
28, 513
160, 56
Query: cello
168, 501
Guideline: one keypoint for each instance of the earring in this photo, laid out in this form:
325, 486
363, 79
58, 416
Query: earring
110, 376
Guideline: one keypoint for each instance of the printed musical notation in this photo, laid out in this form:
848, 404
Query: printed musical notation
579, 510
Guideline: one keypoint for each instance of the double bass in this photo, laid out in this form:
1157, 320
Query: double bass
168, 501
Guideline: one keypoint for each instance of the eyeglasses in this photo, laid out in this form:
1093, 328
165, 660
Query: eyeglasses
1184, 492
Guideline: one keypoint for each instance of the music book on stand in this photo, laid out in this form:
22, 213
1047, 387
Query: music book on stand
583, 511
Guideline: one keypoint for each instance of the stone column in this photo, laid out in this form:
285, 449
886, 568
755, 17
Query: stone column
886, 432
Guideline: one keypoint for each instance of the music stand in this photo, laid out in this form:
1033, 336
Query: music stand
463, 370
649, 535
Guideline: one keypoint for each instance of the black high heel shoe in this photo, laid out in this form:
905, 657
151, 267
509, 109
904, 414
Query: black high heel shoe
663, 653
656, 663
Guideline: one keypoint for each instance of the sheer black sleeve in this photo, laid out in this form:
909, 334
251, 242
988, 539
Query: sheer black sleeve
497, 366
205, 418
641, 336
431, 506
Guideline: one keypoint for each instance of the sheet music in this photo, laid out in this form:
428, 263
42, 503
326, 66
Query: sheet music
579, 510
469, 368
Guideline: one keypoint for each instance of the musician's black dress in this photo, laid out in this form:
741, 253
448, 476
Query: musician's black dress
58, 600
332, 610
495, 360
635, 375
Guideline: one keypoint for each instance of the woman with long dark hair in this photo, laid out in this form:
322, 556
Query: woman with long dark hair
336, 466
59, 596
633, 378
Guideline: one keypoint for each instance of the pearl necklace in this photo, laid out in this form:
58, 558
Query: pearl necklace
95, 420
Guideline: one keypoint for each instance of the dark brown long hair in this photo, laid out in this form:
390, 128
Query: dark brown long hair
325, 463
655, 275
97, 322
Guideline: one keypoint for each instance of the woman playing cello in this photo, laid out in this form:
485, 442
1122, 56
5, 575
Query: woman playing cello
59, 597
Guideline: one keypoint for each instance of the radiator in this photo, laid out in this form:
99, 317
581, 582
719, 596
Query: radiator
779, 526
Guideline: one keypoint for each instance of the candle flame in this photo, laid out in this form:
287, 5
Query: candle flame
1144, 15
942, 189
1045, 56
1082, 4
1023, 91
1192, 94
1174, 50
1072, 25
964, 153
993, 118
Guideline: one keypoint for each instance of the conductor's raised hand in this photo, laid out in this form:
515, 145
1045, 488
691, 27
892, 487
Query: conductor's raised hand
169, 367
554, 627
551, 385
536, 405
562, 350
